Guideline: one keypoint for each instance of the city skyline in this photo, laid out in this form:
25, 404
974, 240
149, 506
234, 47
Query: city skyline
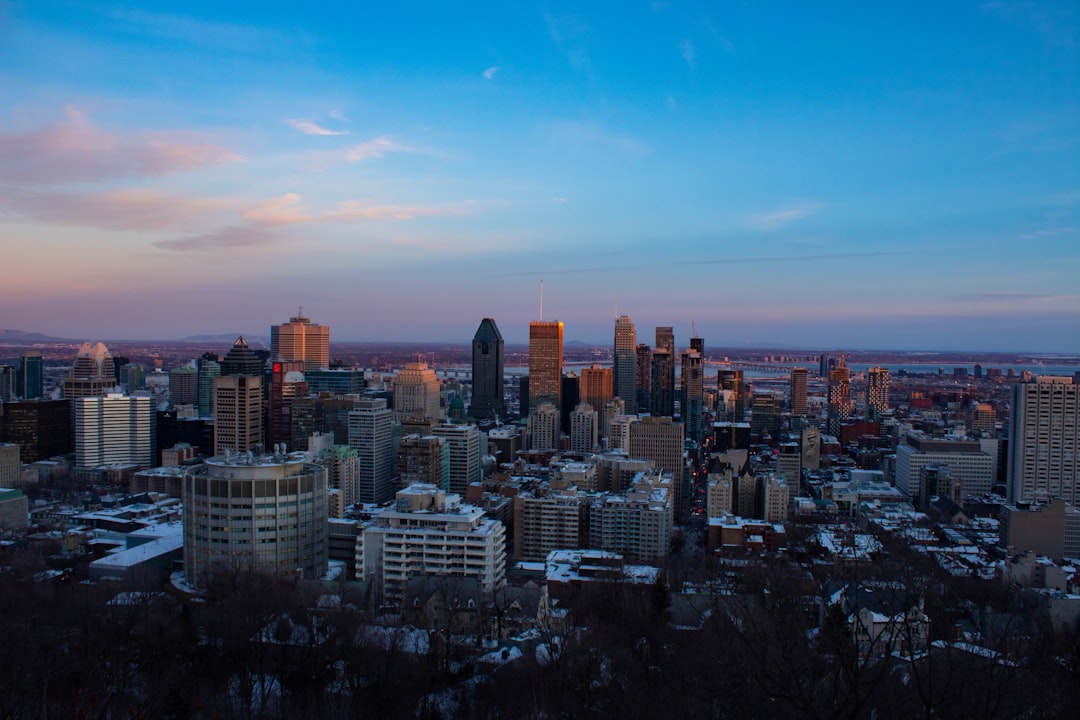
860, 177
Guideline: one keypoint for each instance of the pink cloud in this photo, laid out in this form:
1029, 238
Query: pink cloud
310, 128
377, 148
282, 210
234, 236
352, 210
73, 150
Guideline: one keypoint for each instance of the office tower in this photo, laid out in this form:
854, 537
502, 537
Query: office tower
1044, 441
765, 416
416, 392
300, 339
523, 396
732, 381
133, 378
798, 392
597, 384
877, 392
339, 381
287, 383
115, 430
665, 339
488, 371
775, 497
983, 418
570, 389
617, 432
183, 386
467, 448
428, 532
41, 429
319, 415
584, 429
8, 383
283, 532
92, 374
371, 434
789, 462
637, 523
9, 465
625, 370
209, 368
662, 399
692, 391
840, 405
644, 376
545, 363
242, 360
542, 430
238, 414
730, 436
967, 463
552, 521
342, 465
425, 460
661, 440
30, 378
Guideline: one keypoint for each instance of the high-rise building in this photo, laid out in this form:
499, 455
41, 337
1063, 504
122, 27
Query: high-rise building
644, 376
596, 385
242, 360
661, 440
238, 414
209, 368
545, 363
342, 465
488, 371
183, 386
877, 391
765, 416
371, 434
625, 370
665, 339
286, 385
8, 383
584, 429
300, 339
967, 463
425, 460
92, 373
416, 392
542, 431
637, 523
30, 377
1044, 441
662, 399
115, 430
546, 522
798, 392
267, 514
733, 382
41, 428
840, 405
692, 391
467, 447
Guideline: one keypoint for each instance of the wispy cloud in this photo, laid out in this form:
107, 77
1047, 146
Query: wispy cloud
491, 71
595, 135
1015, 297
379, 147
125, 209
234, 236
783, 217
687, 50
353, 210
284, 210
228, 36
73, 151
1049, 232
309, 127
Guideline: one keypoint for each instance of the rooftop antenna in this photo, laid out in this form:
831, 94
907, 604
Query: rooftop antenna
541, 299
693, 328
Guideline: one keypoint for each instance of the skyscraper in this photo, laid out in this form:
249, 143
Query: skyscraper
625, 370
92, 372
238, 401
371, 434
286, 385
877, 391
416, 391
840, 406
300, 339
545, 363
183, 386
644, 376
596, 385
30, 377
692, 389
1044, 441
798, 392
661, 440
488, 359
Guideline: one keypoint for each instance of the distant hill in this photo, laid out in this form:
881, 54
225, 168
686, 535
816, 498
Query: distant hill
21, 337
230, 338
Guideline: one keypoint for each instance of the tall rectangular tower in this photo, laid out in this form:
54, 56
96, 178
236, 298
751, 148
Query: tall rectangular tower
798, 392
545, 363
371, 434
115, 429
693, 392
877, 391
625, 370
300, 339
238, 413
1044, 441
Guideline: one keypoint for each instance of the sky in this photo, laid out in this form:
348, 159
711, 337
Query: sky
785, 174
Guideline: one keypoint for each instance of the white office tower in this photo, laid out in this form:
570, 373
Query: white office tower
1044, 441
467, 447
584, 429
542, 430
116, 429
416, 392
371, 434
428, 532
966, 461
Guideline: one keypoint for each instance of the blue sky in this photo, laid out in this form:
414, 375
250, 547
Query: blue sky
855, 175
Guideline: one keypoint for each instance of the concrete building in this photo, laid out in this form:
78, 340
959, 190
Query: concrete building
266, 513
342, 465
615, 470
423, 460
775, 498
14, 511
551, 521
371, 434
300, 339
596, 386
1044, 441
542, 430
184, 386
877, 391
115, 430
467, 446
625, 369
416, 392
789, 463
10, 464
661, 440
584, 429
839, 397
1051, 529
636, 523
238, 414
692, 391
428, 532
92, 374
798, 392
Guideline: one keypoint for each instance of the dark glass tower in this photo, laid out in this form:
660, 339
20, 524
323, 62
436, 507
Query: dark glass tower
487, 371
30, 376
242, 360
